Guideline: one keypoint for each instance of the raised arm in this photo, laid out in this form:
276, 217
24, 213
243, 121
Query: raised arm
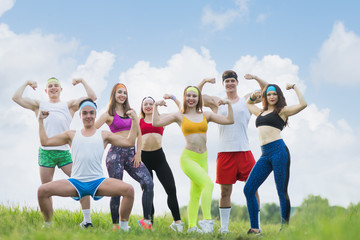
74, 104
209, 101
104, 118
57, 140
220, 119
172, 97
27, 103
164, 119
294, 109
262, 83
250, 103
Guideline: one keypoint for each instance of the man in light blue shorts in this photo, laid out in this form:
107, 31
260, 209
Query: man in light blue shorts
87, 178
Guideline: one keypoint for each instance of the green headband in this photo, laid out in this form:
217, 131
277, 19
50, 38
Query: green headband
194, 89
52, 80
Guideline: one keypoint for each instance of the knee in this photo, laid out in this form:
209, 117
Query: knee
43, 192
129, 191
248, 191
225, 193
148, 186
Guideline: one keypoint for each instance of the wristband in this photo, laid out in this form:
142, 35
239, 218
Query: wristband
252, 99
173, 97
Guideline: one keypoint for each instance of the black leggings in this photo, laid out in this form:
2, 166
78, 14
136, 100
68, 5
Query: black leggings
155, 160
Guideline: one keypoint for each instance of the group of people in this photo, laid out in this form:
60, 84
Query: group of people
136, 146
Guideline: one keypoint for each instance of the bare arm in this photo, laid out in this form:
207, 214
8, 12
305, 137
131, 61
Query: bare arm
250, 103
229, 119
294, 109
262, 83
27, 103
172, 97
104, 118
165, 119
57, 140
74, 104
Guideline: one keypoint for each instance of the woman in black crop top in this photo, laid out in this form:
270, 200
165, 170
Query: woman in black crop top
270, 121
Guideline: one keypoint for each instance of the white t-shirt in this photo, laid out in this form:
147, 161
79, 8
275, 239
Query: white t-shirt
233, 137
57, 122
87, 155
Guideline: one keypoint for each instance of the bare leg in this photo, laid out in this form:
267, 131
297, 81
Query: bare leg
114, 187
61, 188
46, 174
225, 197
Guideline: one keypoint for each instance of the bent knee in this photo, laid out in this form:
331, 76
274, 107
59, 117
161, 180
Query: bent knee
129, 191
43, 191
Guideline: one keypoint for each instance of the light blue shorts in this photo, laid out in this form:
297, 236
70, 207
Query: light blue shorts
86, 188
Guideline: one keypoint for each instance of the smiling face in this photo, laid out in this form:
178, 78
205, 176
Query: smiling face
191, 99
272, 98
120, 95
88, 115
148, 106
53, 90
230, 84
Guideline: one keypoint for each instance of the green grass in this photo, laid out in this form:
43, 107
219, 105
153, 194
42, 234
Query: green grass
313, 220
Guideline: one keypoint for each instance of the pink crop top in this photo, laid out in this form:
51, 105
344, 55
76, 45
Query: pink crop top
120, 124
149, 128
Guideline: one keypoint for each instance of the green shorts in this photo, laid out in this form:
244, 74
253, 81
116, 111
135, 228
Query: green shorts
51, 158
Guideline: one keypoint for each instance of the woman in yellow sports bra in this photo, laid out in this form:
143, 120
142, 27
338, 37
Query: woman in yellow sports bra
193, 122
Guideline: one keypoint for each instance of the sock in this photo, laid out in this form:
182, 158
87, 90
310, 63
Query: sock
124, 225
86, 214
259, 219
224, 217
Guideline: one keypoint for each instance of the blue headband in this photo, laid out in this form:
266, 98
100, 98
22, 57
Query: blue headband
270, 88
87, 104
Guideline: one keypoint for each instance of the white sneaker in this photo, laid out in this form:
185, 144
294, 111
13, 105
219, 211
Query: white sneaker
177, 227
207, 226
127, 229
85, 225
223, 231
194, 230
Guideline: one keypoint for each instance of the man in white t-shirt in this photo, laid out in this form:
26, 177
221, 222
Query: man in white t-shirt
58, 122
87, 149
234, 160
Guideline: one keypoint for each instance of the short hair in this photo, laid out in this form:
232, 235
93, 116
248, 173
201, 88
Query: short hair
229, 74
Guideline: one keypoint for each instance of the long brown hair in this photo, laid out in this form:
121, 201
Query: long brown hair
280, 104
112, 103
199, 105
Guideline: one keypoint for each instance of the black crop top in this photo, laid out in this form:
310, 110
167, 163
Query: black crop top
271, 119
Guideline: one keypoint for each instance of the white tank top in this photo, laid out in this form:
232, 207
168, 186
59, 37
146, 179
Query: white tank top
233, 137
87, 153
57, 122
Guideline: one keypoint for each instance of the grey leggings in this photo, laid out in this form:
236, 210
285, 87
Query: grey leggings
119, 159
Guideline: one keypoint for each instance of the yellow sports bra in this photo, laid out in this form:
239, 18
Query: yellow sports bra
188, 127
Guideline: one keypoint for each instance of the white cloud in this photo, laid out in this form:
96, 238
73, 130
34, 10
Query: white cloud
6, 5
338, 58
222, 20
261, 18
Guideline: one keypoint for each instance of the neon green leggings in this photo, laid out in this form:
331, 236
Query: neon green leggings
195, 166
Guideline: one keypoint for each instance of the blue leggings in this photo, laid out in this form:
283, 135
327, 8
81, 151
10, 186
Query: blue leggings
119, 159
275, 157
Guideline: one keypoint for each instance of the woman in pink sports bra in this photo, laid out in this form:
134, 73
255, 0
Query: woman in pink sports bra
119, 159
154, 158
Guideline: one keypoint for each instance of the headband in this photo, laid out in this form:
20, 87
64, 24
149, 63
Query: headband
148, 98
230, 75
192, 89
52, 80
270, 88
87, 104
120, 85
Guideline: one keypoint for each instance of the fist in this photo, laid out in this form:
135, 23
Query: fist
131, 113
290, 86
210, 80
223, 102
43, 114
167, 96
76, 81
160, 103
32, 84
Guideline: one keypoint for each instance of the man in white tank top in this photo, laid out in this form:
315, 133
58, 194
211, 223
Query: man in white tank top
58, 122
88, 146
234, 160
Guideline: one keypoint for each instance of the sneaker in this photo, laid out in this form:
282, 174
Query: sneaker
177, 227
115, 228
223, 231
254, 232
207, 226
126, 229
46, 225
85, 225
144, 224
195, 230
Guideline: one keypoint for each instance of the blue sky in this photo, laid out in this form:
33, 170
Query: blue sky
162, 46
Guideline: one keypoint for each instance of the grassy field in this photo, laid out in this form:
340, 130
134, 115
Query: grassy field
311, 221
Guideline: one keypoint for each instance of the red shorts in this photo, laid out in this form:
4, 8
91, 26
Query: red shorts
233, 166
